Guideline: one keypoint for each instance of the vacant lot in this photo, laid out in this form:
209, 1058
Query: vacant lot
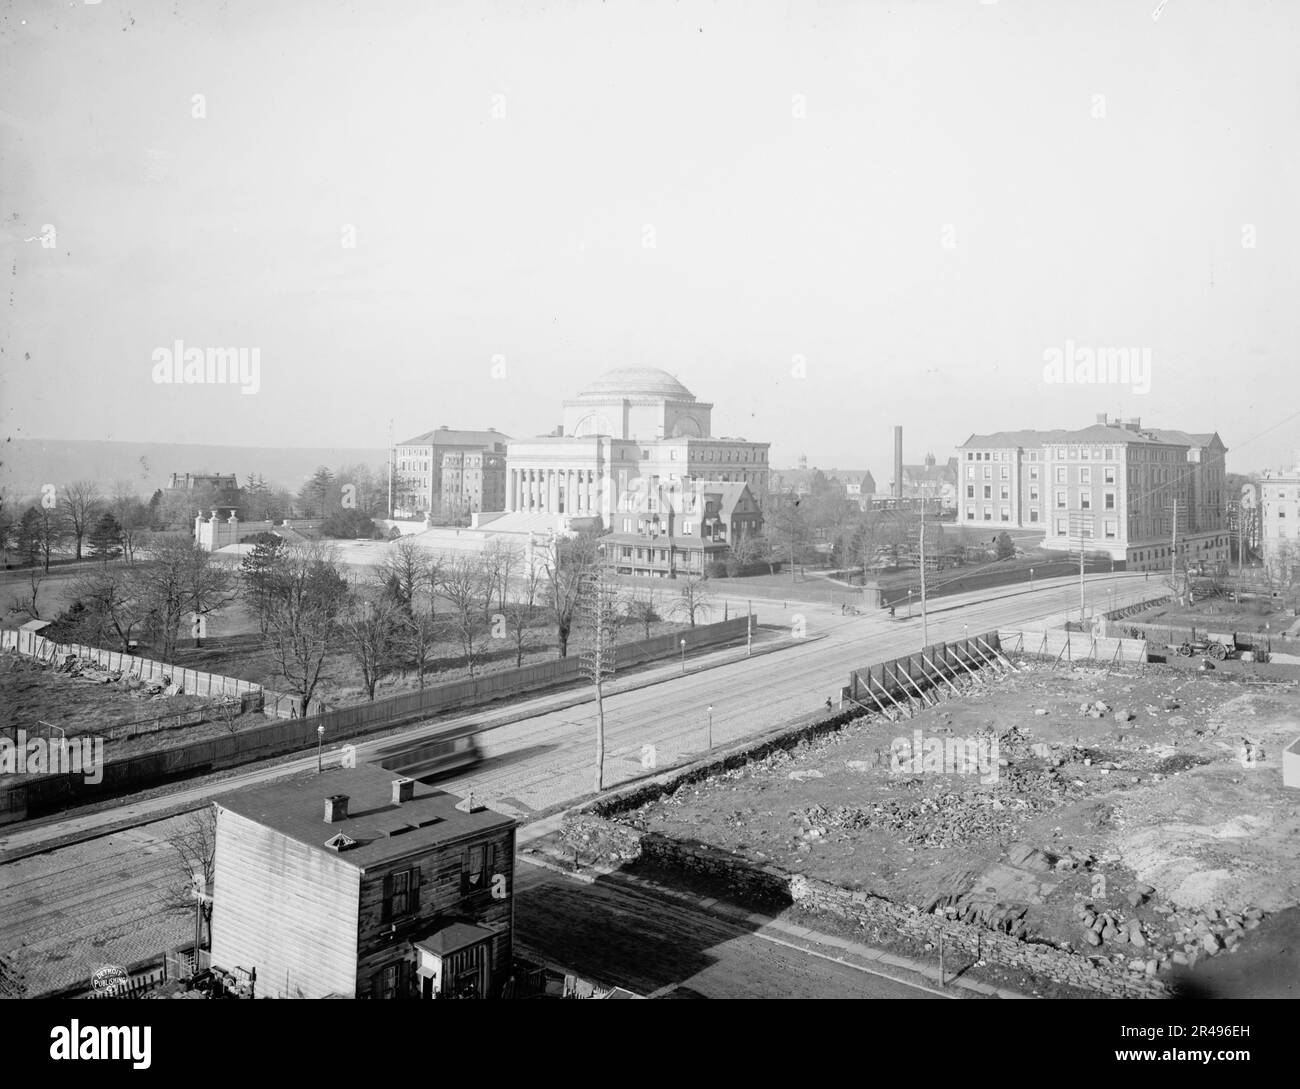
1152, 795
31, 693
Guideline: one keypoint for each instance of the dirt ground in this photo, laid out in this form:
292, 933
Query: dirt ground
31, 692
1147, 799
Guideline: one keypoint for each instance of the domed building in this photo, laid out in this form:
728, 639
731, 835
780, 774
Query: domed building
637, 403
635, 450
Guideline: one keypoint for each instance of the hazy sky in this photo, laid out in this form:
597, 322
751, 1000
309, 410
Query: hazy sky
917, 200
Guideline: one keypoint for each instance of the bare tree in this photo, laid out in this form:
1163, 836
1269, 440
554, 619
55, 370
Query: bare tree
26, 602
302, 620
411, 575
643, 607
499, 562
521, 613
195, 845
182, 580
81, 503
110, 604
371, 627
462, 587
693, 598
567, 561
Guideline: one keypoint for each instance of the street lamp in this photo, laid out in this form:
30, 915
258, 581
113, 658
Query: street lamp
709, 709
683, 655
1031, 578
320, 740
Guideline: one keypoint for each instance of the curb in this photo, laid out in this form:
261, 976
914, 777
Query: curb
17, 854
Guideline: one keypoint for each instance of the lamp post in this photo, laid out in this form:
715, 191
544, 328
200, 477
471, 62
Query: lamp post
709, 736
683, 655
320, 741
1031, 578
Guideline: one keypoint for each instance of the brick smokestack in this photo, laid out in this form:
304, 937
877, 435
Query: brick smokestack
898, 461
336, 808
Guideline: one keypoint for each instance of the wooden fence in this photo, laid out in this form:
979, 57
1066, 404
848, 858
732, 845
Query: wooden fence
281, 736
193, 682
904, 683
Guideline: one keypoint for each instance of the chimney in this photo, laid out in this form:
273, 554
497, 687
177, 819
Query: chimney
336, 808
898, 461
1134, 424
1103, 419
403, 790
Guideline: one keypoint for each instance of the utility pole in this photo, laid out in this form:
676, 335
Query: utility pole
601, 621
925, 624
1173, 551
749, 629
391, 451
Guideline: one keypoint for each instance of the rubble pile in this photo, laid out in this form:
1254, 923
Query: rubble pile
87, 671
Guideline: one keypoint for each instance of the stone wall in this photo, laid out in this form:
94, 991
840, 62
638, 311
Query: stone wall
885, 918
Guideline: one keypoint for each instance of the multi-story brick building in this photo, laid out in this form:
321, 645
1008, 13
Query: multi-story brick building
418, 466
353, 884
1113, 488
473, 481
1279, 511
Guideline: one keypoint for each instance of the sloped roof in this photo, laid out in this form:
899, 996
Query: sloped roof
446, 436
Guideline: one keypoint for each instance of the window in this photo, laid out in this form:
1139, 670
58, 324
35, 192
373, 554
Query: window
1109, 474
1061, 474
970, 472
1033, 515
988, 472
970, 491
1005, 514
1109, 501
1085, 475
389, 981
476, 868
988, 491
688, 528
1062, 527
1033, 493
1033, 474
1004, 491
970, 514
1005, 473
1060, 499
1085, 501
401, 894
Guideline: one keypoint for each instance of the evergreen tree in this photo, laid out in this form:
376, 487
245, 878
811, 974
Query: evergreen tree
106, 538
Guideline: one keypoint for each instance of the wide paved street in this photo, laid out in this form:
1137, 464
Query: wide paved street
536, 761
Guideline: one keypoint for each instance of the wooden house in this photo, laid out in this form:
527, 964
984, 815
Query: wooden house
354, 884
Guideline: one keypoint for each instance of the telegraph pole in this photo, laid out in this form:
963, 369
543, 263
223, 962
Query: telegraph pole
599, 611
390, 468
1173, 551
925, 625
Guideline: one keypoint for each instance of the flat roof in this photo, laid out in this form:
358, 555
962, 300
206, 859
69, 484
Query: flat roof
381, 829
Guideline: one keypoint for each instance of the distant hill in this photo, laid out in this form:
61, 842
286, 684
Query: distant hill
29, 463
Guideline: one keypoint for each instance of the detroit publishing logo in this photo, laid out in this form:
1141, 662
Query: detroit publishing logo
111, 977
21, 755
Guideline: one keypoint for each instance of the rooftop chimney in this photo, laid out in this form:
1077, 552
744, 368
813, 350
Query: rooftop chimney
1134, 424
336, 808
403, 790
1103, 419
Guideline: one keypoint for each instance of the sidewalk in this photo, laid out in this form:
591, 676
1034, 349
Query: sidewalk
767, 927
198, 794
